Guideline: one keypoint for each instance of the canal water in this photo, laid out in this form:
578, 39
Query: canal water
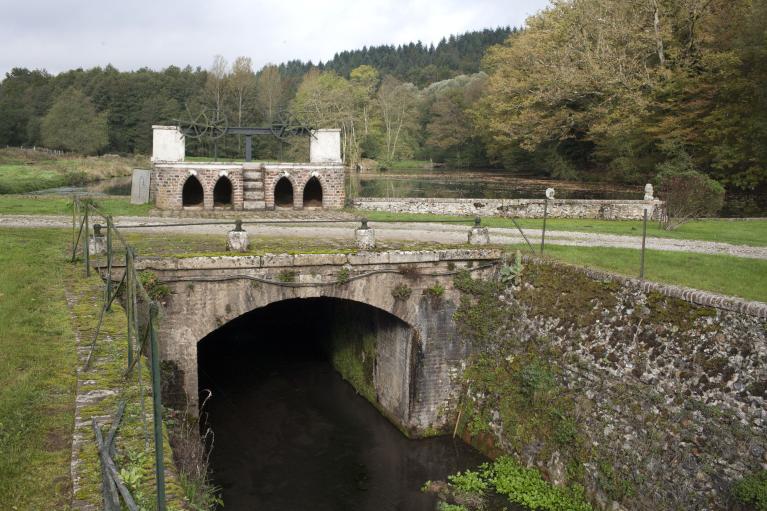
290, 434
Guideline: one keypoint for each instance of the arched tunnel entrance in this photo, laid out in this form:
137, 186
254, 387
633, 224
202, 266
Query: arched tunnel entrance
291, 433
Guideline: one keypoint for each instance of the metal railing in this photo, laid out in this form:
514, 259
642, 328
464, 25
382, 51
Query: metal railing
114, 488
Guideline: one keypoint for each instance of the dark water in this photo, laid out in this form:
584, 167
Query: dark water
481, 184
290, 434
116, 186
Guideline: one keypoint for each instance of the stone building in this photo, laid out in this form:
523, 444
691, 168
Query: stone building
177, 184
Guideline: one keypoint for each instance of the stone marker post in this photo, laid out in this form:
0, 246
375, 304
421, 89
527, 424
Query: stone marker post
97, 242
365, 236
237, 240
479, 235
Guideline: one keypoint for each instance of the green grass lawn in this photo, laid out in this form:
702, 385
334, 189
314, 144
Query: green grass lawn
739, 232
62, 205
37, 371
735, 276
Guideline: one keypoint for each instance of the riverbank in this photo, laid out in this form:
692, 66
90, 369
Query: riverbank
26, 170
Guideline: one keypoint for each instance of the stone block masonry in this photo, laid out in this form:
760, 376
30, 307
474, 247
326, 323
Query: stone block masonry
659, 392
520, 208
254, 185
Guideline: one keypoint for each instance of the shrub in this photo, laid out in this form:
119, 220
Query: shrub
286, 276
435, 291
154, 288
752, 490
688, 193
401, 292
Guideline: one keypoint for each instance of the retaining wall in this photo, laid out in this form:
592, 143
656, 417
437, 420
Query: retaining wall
651, 396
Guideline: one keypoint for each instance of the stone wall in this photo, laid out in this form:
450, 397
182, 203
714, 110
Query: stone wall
168, 182
520, 208
331, 177
652, 397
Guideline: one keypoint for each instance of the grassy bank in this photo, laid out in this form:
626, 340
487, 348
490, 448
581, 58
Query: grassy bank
738, 232
62, 205
37, 371
24, 171
735, 276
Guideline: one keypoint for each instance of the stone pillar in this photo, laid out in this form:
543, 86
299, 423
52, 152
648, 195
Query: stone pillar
97, 242
325, 146
168, 144
479, 235
364, 236
237, 239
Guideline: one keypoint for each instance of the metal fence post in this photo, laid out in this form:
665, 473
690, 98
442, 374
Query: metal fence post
130, 311
109, 263
644, 238
86, 242
545, 214
156, 398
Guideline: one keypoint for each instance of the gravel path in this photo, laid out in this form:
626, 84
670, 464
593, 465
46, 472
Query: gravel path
432, 232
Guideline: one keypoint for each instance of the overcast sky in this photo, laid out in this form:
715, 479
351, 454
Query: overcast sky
62, 34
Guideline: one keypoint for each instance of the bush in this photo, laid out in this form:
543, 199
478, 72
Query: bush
752, 491
688, 195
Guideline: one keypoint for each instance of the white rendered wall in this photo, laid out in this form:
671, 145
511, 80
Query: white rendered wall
325, 146
168, 144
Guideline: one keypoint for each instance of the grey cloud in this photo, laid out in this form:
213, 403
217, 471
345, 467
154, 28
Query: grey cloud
61, 35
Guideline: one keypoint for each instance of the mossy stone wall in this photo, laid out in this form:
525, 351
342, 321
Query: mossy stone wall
648, 401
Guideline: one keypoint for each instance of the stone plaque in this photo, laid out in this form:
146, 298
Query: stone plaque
139, 190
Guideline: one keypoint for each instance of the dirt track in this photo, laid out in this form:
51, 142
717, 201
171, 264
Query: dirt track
425, 232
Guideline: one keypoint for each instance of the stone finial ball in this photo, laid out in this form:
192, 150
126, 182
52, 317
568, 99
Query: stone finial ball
550, 193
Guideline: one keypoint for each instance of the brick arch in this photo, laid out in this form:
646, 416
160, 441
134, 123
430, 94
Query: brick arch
296, 193
226, 191
323, 188
191, 198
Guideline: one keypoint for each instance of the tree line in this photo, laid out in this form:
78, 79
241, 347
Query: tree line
589, 89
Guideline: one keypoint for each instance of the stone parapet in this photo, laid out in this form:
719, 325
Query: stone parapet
520, 208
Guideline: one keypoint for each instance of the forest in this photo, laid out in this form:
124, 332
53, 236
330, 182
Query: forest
588, 89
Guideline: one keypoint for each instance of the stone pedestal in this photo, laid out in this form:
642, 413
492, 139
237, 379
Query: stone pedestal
365, 237
97, 244
479, 236
237, 241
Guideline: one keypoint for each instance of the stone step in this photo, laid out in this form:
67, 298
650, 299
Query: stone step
252, 185
252, 175
253, 195
253, 204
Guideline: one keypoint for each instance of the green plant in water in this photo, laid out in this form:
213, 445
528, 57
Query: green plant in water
752, 490
401, 292
444, 506
469, 481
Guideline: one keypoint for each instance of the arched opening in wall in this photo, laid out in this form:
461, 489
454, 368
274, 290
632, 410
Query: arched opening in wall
313, 193
283, 193
222, 193
192, 194
291, 387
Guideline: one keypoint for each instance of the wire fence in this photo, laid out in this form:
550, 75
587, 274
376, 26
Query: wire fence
135, 296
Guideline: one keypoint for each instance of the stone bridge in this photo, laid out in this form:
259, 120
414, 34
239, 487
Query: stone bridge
408, 304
